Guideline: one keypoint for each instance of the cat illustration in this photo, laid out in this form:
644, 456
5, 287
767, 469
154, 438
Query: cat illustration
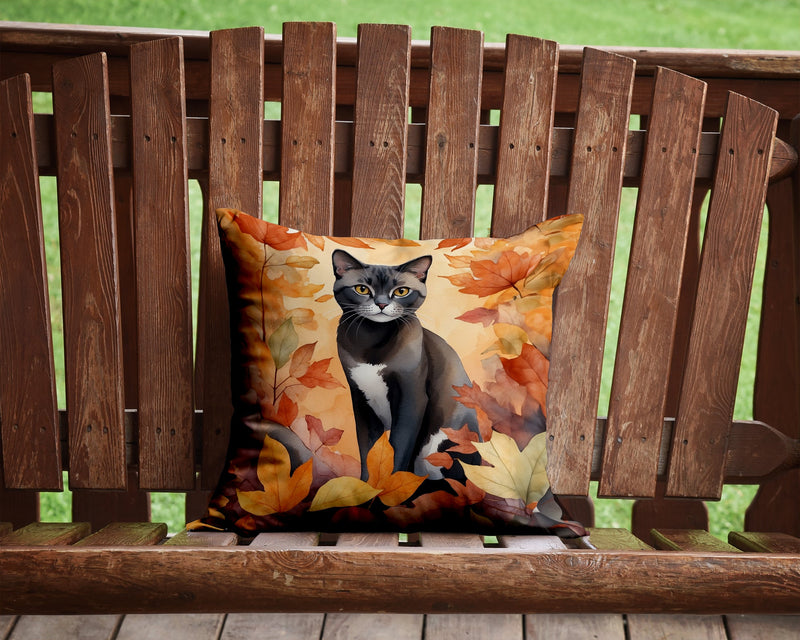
401, 375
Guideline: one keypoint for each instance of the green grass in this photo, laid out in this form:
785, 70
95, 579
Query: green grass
750, 24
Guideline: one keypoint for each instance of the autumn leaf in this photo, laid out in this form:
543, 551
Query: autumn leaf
285, 413
395, 487
513, 474
327, 437
342, 492
301, 262
401, 242
529, 369
282, 343
278, 237
440, 459
511, 338
486, 317
285, 287
283, 490
324, 298
356, 243
454, 243
301, 358
317, 375
463, 438
489, 277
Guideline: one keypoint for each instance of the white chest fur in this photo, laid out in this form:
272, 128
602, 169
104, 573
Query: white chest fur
369, 379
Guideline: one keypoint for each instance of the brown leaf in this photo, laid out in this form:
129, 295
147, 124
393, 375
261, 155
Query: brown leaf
317, 376
301, 358
440, 459
463, 438
327, 437
529, 369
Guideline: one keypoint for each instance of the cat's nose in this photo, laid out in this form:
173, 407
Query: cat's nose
381, 305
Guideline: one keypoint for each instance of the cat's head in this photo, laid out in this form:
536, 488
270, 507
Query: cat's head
380, 293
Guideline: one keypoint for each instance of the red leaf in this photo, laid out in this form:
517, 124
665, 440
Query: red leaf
486, 317
455, 243
327, 437
285, 413
278, 237
530, 369
463, 438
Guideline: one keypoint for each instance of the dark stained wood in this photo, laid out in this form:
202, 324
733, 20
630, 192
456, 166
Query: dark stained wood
649, 312
451, 156
526, 123
89, 275
380, 131
579, 322
689, 540
666, 513
100, 508
765, 542
19, 507
726, 273
209, 580
307, 115
166, 408
31, 453
45, 534
235, 155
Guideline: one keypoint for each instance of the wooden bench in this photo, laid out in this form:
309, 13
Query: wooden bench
139, 115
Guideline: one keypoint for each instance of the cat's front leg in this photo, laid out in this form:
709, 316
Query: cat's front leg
408, 415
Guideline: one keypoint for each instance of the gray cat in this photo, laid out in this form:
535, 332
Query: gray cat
401, 375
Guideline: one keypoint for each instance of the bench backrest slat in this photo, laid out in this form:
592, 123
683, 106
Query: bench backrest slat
28, 407
598, 157
448, 193
525, 137
730, 244
90, 280
380, 136
649, 313
236, 122
308, 117
166, 405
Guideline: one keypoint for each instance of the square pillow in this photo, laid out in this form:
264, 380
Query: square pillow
389, 384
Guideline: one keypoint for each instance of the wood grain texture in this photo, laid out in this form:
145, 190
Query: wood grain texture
236, 120
100, 508
89, 275
579, 322
307, 116
649, 312
646, 627
548, 626
726, 273
206, 579
474, 625
203, 539
689, 540
755, 627
380, 131
38, 534
764, 542
31, 451
82, 627
526, 123
198, 626
606, 539
448, 193
126, 534
18, 507
283, 626
166, 408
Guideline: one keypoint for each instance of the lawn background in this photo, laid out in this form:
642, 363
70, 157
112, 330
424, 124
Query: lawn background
735, 24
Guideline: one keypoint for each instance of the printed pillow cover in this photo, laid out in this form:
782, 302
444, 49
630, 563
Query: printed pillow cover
389, 384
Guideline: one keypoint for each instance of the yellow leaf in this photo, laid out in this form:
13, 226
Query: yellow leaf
536, 453
510, 473
394, 488
511, 338
380, 461
283, 490
343, 492
399, 487
301, 262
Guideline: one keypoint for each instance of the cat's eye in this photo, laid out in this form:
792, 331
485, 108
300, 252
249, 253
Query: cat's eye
401, 292
362, 289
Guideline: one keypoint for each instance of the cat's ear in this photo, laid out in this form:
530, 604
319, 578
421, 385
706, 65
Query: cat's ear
418, 267
343, 262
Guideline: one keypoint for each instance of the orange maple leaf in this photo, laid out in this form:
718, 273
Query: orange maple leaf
463, 439
529, 369
285, 413
454, 243
440, 459
395, 487
489, 277
317, 376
